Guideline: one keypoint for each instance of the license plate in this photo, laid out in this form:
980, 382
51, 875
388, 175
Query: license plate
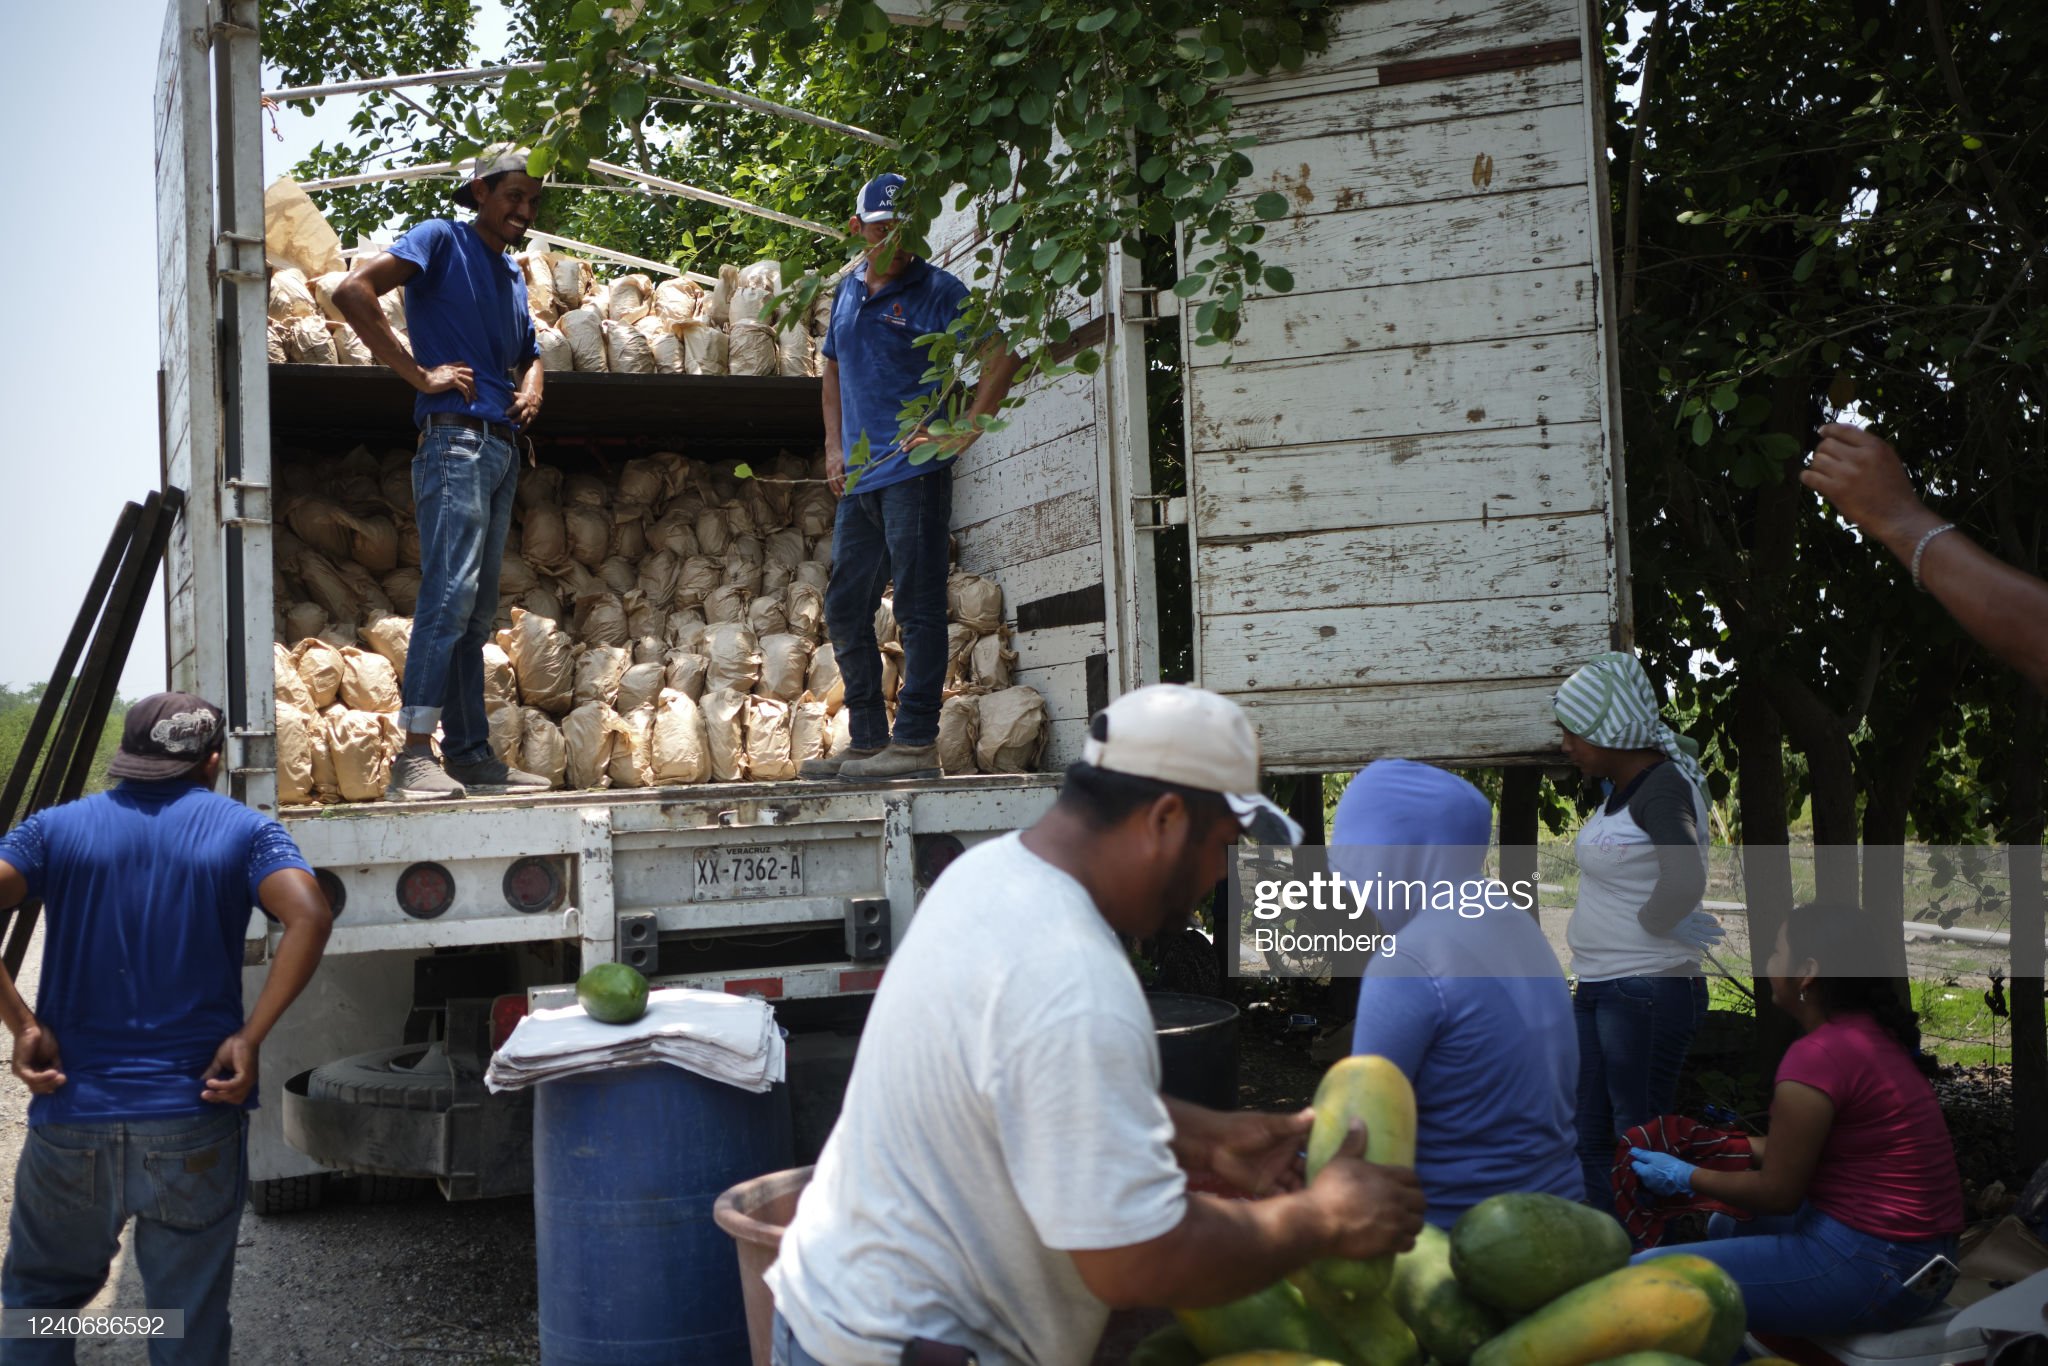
760, 870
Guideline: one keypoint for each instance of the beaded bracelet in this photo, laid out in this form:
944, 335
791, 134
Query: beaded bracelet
1921, 549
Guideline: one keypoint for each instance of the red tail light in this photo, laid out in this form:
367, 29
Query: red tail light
506, 1013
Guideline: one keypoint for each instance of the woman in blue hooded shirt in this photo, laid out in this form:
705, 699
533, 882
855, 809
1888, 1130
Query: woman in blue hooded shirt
1471, 1005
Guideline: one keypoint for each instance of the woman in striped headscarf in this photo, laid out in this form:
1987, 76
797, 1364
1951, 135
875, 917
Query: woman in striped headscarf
1638, 930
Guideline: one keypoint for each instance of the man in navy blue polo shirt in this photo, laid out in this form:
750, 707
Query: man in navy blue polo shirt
475, 361
895, 519
141, 1064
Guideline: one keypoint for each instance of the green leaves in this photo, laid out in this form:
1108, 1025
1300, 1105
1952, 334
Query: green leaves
1270, 205
1097, 21
1702, 429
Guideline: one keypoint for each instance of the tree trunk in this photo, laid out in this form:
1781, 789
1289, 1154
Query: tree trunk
2023, 831
1889, 797
1518, 791
1766, 859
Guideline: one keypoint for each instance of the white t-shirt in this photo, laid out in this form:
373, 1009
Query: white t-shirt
1618, 870
1004, 1109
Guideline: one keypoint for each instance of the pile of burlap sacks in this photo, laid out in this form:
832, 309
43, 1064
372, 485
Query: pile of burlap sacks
629, 325
660, 628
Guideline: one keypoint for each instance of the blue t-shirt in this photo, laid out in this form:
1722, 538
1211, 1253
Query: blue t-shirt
872, 340
146, 891
467, 305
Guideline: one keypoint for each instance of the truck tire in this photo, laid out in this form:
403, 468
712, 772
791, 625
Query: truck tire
409, 1077
287, 1194
366, 1189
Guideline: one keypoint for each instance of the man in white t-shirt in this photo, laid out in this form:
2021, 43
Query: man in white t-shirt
1005, 1171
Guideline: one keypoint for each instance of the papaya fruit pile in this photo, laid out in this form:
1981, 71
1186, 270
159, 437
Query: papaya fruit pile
1519, 1280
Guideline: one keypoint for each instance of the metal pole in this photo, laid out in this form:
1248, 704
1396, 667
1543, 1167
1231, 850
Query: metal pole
342, 182
458, 76
676, 187
759, 105
549, 239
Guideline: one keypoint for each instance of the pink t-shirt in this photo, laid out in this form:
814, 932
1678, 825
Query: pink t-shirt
1888, 1167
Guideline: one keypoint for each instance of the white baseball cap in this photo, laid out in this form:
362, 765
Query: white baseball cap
493, 160
1189, 737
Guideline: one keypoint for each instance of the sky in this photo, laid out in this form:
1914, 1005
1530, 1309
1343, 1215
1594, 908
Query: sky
81, 338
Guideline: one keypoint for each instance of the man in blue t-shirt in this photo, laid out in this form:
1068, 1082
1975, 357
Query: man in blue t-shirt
475, 361
895, 518
141, 1064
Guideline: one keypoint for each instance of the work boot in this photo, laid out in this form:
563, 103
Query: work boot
894, 763
829, 766
493, 776
416, 777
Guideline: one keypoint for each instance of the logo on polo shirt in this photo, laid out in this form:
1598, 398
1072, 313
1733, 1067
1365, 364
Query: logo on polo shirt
896, 315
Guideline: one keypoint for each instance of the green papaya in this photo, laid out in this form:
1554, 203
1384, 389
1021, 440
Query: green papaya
1169, 1346
1372, 1090
1519, 1252
1636, 1309
1446, 1319
1276, 1317
1731, 1319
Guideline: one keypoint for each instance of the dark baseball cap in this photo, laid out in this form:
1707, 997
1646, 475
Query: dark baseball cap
167, 735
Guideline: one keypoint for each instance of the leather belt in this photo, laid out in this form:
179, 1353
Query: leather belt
503, 430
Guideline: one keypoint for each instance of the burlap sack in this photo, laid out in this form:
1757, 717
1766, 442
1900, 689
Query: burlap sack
751, 350
678, 301
402, 586
320, 667
714, 533
767, 617
650, 650
685, 630
726, 604
501, 681
1013, 731
700, 577
589, 733
274, 348
373, 543
842, 733
507, 732
725, 733
291, 298
303, 619
718, 306
633, 751
556, 353
960, 656
296, 233
358, 741
392, 636
705, 349
810, 730
769, 755
544, 537
885, 621
686, 672
308, 342
287, 683
682, 750
619, 574
662, 343
322, 288
744, 575
544, 601
994, 666
573, 277
326, 781
323, 524
598, 671
540, 285
675, 532
959, 733
974, 601
631, 296
813, 510
544, 661
813, 574
892, 672
785, 664
541, 747
539, 485
804, 606
657, 578
638, 687
349, 349
626, 351
590, 534
368, 594
796, 353
601, 620
340, 634
735, 657
295, 754
368, 682
584, 329
823, 680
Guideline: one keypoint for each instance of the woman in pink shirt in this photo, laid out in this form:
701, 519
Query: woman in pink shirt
1856, 1190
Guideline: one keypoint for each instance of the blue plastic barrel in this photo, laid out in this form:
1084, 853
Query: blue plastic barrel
626, 1167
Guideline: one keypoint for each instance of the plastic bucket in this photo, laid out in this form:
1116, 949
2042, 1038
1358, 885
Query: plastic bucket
755, 1213
1197, 1048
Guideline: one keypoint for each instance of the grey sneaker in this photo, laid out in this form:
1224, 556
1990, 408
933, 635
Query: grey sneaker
489, 777
416, 777
829, 767
894, 763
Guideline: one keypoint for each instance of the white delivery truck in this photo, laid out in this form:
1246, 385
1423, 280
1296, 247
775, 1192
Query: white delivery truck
1403, 515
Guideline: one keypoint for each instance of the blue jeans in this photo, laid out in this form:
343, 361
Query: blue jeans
902, 530
1633, 1036
786, 1350
183, 1179
463, 484
1805, 1273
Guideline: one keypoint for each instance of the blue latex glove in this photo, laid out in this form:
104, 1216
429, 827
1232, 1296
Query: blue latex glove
1699, 930
1661, 1172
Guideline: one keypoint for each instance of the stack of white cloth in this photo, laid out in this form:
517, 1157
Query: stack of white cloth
732, 1039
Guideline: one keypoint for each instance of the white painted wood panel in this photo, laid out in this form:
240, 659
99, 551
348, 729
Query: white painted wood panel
1481, 154
1057, 645
1447, 643
1483, 308
1513, 472
1364, 37
1393, 106
1478, 722
1430, 562
1067, 522
1042, 577
1524, 382
1063, 465
1457, 239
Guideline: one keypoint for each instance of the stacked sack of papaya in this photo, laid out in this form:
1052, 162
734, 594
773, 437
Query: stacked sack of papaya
658, 627
628, 324
1519, 1280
